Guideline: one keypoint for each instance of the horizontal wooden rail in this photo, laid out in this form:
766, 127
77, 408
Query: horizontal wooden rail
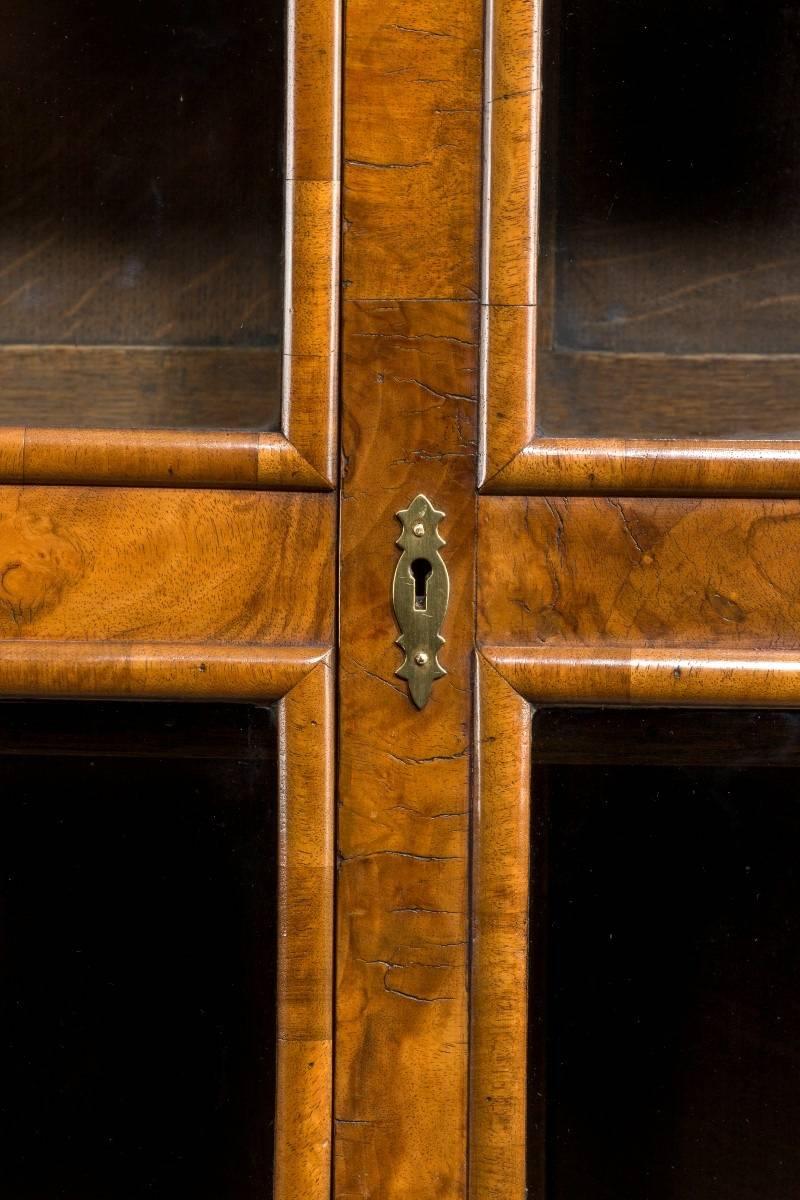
153, 671
582, 675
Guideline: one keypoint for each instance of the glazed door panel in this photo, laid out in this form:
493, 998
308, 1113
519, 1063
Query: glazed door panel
169, 251
142, 253
168, 432
636, 608
663, 940
631, 291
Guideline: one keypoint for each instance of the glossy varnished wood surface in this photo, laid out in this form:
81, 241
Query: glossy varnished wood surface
499, 967
411, 201
149, 564
639, 572
619, 467
303, 1121
512, 106
663, 676
154, 457
153, 670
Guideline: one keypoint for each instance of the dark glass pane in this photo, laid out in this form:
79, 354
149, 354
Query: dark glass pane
141, 204
137, 898
665, 1028
672, 210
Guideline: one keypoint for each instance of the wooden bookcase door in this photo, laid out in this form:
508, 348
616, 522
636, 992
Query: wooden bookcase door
168, 438
635, 578
638, 333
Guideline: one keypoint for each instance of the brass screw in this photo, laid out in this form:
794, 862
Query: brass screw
419, 529
420, 658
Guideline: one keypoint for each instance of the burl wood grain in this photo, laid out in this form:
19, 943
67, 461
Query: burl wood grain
404, 774
412, 135
83, 563
639, 572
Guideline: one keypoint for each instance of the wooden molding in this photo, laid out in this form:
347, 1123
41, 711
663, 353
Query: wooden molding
499, 965
511, 679
622, 467
513, 459
300, 681
302, 454
304, 1101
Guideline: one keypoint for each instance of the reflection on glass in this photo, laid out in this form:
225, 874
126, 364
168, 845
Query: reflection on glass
666, 916
141, 205
672, 197
137, 897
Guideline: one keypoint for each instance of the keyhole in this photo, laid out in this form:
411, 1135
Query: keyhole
421, 569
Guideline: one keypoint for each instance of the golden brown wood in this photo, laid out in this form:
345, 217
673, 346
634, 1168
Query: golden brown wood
305, 946
701, 389
499, 967
412, 130
89, 563
411, 152
512, 108
404, 774
300, 679
663, 676
153, 670
639, 572
156, 457
88, 380
569, 466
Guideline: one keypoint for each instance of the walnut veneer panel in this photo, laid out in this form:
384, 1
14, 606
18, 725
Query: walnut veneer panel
165, 565
410, 321
639, 572
412, 150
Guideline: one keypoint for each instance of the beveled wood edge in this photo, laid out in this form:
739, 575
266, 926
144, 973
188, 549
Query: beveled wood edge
154, 670
499, 939
312, 233
300, 681
304, 1112
155, 458
512, 459
669, 677
302, 455
510, 681
644, 467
